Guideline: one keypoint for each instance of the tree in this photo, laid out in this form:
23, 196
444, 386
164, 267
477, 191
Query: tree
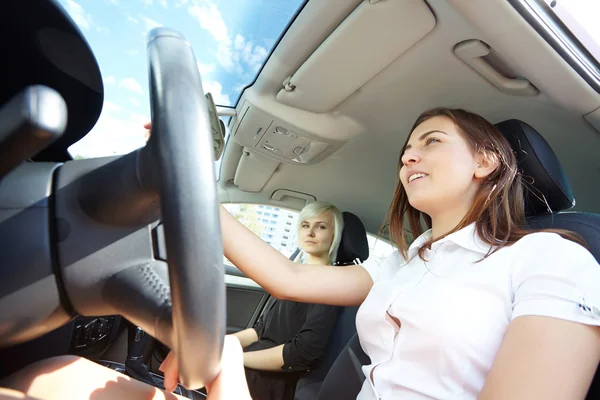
247, 216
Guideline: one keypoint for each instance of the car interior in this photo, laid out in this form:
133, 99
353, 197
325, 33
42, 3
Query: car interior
101, 256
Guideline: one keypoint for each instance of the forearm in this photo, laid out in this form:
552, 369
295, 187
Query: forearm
260, 262
246, 337
255, 258
265, 360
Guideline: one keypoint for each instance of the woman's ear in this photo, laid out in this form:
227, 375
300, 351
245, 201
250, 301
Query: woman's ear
486, 164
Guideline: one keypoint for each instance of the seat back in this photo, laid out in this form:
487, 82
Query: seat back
551, 195
354, 248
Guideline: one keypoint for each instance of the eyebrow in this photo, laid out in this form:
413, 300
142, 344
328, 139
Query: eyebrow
423, 136
316, 222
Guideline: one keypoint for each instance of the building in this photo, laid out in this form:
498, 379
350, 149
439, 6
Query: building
274, 225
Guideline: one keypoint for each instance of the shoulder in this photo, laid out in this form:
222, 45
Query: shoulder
546, 255
380, 267
555, 277
550, 246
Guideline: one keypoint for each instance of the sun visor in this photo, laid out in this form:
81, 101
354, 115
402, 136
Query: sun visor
253, 171
369, 39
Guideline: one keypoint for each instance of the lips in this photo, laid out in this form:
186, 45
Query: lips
415, 176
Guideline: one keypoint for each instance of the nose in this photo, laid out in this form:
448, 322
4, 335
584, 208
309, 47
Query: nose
410, 157
311, 232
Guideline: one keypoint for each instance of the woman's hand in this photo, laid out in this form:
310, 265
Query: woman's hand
148, 126
230, 383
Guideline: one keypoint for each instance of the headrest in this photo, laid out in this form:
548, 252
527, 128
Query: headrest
540, 167
354, 244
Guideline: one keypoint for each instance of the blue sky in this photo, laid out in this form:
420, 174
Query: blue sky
231, 40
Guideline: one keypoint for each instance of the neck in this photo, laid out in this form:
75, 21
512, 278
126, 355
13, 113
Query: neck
317, 259
443, 222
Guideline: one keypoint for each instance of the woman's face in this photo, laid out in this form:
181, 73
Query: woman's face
316, 234
439, 169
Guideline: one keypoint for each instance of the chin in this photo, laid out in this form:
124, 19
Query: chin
421, 203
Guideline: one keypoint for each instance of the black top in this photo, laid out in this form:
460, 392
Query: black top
304, 330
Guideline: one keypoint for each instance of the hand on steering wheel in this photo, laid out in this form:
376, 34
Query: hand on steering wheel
230, 383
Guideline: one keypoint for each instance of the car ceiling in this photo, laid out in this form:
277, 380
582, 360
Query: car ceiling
367, 128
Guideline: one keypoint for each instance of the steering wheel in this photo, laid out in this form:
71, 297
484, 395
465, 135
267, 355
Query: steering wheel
111, 246
189, 204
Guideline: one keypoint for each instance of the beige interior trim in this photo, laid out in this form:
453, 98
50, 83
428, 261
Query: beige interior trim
594, 118
473, 52
361, 47
508, 33
369, 127
253, 171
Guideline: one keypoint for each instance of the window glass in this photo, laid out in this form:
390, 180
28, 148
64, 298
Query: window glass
272, 230
231, 40
581, 17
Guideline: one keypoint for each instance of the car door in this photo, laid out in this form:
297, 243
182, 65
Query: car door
276, 226
245, 300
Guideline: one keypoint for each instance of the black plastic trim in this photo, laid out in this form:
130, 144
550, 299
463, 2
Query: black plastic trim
54, 238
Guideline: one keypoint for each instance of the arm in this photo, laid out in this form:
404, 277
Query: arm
304, 351
307, 349
273, 271
246, 337
9, 394
265, 360
71, 377
544, 358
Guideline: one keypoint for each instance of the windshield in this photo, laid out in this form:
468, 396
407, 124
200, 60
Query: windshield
231, 40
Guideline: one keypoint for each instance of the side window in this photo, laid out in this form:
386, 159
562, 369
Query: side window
379, 247
272, 230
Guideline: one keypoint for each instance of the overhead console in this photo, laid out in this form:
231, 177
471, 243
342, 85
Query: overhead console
262, 133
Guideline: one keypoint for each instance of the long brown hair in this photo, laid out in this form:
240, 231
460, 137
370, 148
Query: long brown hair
498, 209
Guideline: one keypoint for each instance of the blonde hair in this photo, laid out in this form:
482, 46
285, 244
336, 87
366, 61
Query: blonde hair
320, 207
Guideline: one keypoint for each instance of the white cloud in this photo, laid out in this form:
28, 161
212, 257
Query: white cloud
252, 55
210, 18
181, 3
147, 2
239, 42
110, 107
112, 135
226, 59
134, 101
216, 90
205, 69
133, 20
110, 80
132, 85
237, 89
116, 2
236, 55
81, 18
163, 3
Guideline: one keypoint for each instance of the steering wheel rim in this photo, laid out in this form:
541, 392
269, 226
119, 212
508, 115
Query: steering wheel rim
182, 145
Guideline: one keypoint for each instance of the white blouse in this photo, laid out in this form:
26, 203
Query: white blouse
453, 312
